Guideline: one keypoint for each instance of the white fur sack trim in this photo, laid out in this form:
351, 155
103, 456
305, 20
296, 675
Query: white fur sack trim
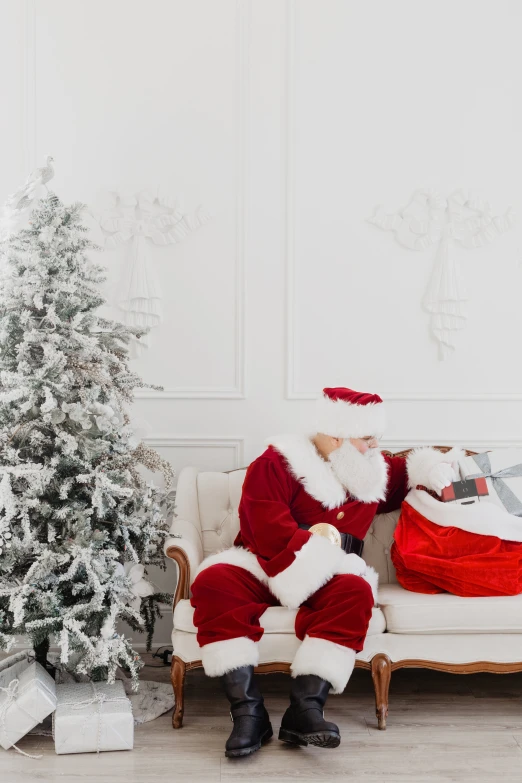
221, 657
236, 556
314, 565
420, 461
310, 469
325, 659
484, 518
342, 419
353, 564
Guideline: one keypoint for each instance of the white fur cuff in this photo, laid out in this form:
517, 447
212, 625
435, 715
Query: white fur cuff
221, 657
235, 556
353, 564
328, 660
314, 565
420, 461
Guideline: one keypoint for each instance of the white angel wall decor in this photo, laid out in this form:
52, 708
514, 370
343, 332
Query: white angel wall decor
19, 203
430, 219
140, 219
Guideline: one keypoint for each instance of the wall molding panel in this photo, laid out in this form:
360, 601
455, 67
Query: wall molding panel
483, 444
399, 396
29, 120
235, 444
241, 174
236, 392
292, 265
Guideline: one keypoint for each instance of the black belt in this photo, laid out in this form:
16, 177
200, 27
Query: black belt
348, 542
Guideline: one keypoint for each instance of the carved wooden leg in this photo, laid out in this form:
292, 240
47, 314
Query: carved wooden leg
177, 677
381, 675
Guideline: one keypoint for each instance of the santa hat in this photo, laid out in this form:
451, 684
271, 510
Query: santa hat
344, 413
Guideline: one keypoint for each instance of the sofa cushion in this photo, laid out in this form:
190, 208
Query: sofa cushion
276, 619
443, 613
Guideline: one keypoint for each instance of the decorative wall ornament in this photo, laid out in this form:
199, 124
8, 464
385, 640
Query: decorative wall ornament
137, 218
430, 219
22, 199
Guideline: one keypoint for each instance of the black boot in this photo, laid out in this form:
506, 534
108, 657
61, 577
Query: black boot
304, 722
251, 722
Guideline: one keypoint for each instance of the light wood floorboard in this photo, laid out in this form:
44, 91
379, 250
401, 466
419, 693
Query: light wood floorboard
441, 728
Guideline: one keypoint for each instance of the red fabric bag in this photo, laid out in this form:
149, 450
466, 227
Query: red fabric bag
430, 558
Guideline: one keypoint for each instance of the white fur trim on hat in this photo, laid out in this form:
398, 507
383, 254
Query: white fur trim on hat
331, 661
221, 657
342, 419
420, 461
314, 565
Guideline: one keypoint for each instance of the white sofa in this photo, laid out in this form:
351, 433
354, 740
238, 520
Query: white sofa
445, 632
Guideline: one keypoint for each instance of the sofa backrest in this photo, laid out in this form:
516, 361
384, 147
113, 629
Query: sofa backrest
218, 496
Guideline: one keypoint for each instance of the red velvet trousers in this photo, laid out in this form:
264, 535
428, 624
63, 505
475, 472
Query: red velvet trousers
229, 602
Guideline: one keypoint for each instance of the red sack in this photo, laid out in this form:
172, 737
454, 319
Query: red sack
430, 558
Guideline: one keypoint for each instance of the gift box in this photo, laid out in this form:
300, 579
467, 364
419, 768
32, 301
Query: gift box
465, 493
91, 717
27, 696
502, 469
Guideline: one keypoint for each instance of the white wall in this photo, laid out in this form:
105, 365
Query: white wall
288, 120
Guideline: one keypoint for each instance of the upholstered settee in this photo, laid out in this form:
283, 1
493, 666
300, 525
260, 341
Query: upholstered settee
444, 632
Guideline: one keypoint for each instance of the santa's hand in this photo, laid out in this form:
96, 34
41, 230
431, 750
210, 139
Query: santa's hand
440, 476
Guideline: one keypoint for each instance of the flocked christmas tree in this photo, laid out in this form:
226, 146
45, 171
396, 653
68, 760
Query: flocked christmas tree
75, 513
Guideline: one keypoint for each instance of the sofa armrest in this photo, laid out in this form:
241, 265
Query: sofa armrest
185, 548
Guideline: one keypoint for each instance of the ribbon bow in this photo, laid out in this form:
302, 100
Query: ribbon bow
509, 500
11, 695
99, 698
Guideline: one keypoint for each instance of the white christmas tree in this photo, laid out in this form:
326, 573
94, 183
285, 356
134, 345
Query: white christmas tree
75, 513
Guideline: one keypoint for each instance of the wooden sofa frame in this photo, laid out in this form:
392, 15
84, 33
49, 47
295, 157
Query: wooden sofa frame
381, 666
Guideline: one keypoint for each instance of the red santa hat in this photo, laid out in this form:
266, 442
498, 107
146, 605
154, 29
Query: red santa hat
344, 413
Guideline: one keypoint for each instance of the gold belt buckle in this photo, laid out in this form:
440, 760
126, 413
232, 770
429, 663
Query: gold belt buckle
328, 531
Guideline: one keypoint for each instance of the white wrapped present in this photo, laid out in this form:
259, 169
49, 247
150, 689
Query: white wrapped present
27, 696
91, 717
502, 469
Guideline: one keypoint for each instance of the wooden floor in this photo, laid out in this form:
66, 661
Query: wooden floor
441, 728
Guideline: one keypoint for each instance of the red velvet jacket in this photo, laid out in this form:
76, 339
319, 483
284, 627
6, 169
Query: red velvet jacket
274, 502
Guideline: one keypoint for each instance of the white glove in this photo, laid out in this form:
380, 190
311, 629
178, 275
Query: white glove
440, 476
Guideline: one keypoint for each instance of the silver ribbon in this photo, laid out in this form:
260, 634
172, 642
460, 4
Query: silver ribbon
12, 693
99, 699
509, 500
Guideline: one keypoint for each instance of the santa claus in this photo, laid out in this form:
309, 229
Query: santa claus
335, 477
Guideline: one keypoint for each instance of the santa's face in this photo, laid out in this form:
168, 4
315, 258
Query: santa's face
361, 468
363, 444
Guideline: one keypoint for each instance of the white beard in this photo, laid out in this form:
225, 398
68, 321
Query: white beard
364, 476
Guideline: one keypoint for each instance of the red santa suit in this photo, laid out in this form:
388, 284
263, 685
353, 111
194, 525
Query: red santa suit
276, 562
